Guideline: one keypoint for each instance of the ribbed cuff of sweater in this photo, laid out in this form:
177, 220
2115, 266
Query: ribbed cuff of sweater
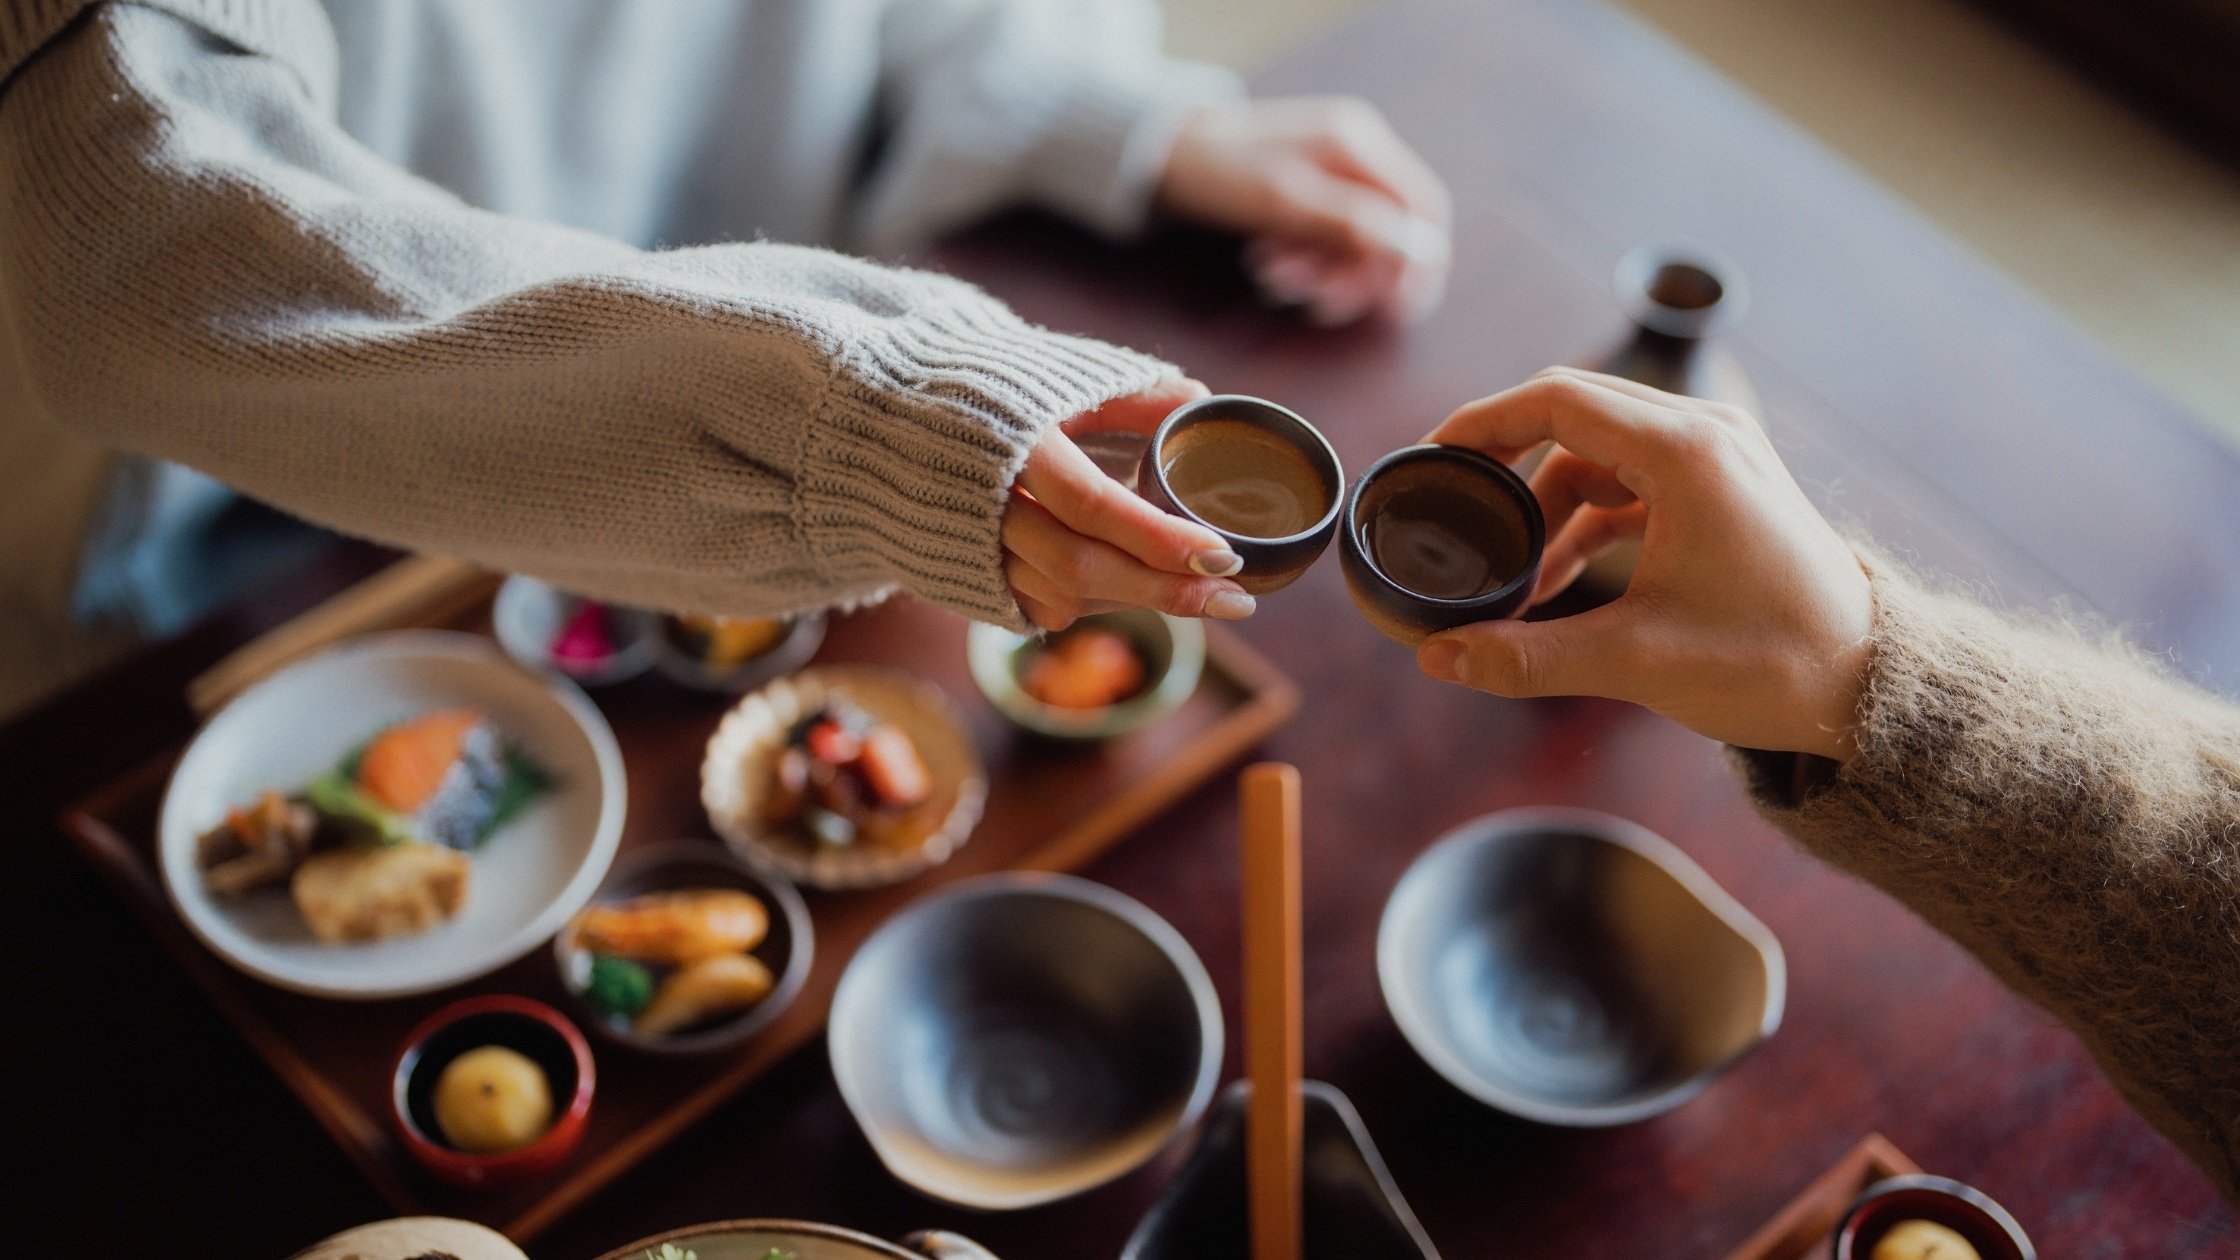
910, 464
1107, 145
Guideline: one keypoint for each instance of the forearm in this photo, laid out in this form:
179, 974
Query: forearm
2067, 812
200, 266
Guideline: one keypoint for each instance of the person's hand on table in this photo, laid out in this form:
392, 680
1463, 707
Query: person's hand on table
1341, 216
1748, 617
1076, 542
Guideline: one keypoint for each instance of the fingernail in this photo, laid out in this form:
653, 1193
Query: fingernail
1230, 605
1216, 562
1441, 659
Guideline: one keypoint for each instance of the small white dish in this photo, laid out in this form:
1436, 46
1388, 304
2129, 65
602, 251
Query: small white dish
527, 880
527, 616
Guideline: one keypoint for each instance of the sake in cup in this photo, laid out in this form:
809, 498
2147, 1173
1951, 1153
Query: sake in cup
1255, 474
1436, 537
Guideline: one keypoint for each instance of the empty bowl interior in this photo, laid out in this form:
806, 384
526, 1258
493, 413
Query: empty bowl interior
530, 1037
1567, 977
1009, 1045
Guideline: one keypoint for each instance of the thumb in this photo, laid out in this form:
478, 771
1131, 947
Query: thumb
1583, 655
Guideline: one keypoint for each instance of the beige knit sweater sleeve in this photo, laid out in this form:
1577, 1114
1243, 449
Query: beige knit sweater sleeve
197, 263
2068, 812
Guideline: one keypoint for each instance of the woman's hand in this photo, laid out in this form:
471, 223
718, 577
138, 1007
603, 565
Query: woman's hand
1342, 216
1077, 542
1747, 619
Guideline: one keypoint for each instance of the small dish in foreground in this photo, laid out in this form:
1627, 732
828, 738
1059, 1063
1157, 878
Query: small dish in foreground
732, 655
1171, 652
519, 1028
1940, 1201
782, 951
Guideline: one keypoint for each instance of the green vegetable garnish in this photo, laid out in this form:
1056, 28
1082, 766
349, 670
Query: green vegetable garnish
670, 1251
335, 794
619, 988
525, 781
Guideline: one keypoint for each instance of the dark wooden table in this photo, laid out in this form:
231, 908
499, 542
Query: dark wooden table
1914, 390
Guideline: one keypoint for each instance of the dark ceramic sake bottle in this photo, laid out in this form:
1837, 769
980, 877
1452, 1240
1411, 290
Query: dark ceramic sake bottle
1679, 299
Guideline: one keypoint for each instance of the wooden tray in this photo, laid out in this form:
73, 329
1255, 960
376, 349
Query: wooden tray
1807, 1225
1050, 808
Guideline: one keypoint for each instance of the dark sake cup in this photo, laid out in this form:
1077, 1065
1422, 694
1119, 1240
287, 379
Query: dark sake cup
1352, 1209
1408, 617
1957, 1206
1270, 564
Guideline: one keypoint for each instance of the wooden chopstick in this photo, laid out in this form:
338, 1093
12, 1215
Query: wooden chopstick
1273, 1058
417, 590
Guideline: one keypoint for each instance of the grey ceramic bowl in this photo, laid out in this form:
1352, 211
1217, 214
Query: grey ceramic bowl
1174, 653
1018, 1038
1352, 1209
1573, 968
1270, 564
797, 1240
683, 865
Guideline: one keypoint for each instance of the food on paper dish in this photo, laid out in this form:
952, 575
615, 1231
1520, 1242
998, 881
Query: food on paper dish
368, 892
377, 846
666, 963
492, 1099
675, 928
843, 776
723, 643
1087, 668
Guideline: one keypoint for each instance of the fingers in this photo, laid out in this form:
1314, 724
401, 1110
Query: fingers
1071, 488
1139, 412
1587, 655
1588, 534
1362, 145
1628, 435
1072, 576
1564, 483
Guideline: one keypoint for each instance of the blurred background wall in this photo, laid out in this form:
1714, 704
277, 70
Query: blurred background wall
2038, 131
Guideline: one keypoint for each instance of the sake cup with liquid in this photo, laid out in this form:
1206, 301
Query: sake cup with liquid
1254, 473
1436, 537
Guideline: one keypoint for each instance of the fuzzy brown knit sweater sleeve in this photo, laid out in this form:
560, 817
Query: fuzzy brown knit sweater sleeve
197, 263
2068, 812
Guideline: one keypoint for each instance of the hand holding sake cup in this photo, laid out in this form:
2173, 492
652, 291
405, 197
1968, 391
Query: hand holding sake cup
1748, 618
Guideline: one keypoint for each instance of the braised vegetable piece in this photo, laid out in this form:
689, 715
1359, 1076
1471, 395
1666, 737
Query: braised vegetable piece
1088, 668
260, 845
703, 990
675, 928
898, 775
370, 892
843, 776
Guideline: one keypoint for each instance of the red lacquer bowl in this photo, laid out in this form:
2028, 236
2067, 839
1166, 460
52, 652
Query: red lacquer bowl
518, 1023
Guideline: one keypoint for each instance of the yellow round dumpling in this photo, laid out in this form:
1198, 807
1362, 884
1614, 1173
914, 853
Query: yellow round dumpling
492, 1099
1923, 1240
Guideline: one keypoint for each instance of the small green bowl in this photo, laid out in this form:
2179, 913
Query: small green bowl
1174, 654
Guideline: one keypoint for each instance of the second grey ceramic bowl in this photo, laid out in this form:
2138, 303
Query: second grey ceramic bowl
1015, 1039
1573, 968
797, 1240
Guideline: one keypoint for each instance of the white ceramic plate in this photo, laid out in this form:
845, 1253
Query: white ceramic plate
528, 878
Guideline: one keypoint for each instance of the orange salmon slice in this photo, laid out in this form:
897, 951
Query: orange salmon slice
404, 765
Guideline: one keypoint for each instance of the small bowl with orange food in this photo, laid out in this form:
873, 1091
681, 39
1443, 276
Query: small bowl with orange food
1099, 678
732, 655
688, 948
